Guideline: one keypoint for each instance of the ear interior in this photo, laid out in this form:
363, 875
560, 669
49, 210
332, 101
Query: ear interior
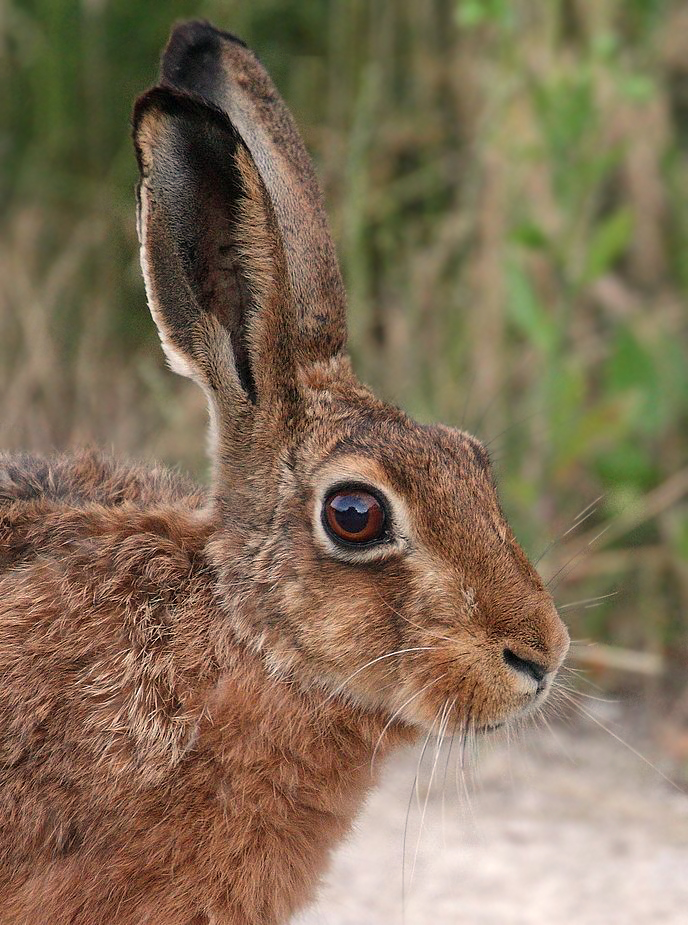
195, 187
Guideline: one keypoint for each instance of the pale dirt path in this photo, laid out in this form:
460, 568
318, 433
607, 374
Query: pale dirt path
597, 840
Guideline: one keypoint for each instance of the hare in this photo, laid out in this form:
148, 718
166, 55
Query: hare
194, 683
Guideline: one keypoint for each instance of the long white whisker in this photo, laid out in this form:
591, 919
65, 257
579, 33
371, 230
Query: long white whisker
446, 772
584, 512
621, 741
581, 674
417, 626
420, 759
414, 790
587, 600
570, 690
581, 552
374, 661
578, 521
461, 762
440, 736
398, 711
560, 745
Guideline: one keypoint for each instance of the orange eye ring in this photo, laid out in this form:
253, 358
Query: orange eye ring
354, 516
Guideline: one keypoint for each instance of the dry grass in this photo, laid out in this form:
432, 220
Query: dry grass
64, 379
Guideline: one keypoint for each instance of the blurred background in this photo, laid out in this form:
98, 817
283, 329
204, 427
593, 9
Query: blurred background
507, 182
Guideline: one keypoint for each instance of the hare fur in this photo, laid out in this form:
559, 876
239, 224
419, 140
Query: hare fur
194, 683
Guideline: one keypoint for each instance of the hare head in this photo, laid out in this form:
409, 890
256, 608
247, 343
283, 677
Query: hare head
360, 552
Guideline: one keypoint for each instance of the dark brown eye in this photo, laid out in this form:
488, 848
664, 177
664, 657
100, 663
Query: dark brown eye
355, 516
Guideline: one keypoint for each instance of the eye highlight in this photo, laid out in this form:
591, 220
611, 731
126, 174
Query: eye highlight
354, 516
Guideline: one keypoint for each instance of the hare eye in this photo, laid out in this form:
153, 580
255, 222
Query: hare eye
354, 516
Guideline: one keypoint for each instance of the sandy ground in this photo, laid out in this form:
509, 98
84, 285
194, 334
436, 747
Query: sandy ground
567, 828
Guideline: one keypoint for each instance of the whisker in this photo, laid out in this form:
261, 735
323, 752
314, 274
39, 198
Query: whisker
422, 754
397, 712
374, 661
417, 626
584, 513
627, 745
446, 772
508, 732
587, 601
578, 521
571, 690
403, 855
414, 790
506, 430
555, 709
467, 733
440, 736
574, 558
560, 745
581, 674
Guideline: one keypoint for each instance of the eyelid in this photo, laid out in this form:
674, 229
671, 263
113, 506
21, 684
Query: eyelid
398, 536
355, 486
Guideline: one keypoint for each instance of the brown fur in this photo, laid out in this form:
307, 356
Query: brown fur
194, 686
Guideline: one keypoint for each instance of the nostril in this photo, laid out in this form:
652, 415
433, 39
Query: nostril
525, 665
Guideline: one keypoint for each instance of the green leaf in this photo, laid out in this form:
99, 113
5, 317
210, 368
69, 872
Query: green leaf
527, 312
607, 244
628, 466
605, 45
638, 88
632, 369
476, 12
630, 366
530, 235
471, 13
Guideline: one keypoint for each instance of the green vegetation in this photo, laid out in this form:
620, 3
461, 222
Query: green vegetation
508, 186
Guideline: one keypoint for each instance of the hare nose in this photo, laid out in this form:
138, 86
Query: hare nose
527, 666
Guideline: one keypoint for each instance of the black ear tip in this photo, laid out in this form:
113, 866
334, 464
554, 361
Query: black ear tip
195, 30
193, 51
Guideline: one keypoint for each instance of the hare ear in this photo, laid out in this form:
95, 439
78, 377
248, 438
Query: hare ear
211, 253
219, 67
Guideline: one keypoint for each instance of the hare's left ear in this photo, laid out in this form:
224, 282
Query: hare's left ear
212, 256
217, 66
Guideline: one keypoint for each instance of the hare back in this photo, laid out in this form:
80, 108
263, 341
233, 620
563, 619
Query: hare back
90, 477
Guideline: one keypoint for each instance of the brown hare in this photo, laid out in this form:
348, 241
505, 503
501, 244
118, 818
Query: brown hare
193, 684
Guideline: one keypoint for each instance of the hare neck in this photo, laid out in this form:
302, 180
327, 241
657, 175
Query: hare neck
292, 734
290, 773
